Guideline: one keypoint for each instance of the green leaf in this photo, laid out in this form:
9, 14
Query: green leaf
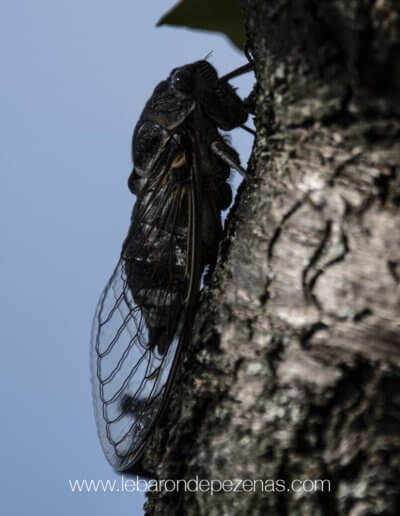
217, 16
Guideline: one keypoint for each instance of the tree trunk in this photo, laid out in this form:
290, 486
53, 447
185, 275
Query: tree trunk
294, 368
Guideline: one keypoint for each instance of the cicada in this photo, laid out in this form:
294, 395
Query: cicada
144, 316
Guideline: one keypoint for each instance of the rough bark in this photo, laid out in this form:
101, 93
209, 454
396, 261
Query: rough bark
294, 367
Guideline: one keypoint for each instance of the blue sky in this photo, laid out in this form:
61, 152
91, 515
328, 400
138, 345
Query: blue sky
75, 77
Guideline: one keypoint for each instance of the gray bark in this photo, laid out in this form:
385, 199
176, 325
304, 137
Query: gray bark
294, 367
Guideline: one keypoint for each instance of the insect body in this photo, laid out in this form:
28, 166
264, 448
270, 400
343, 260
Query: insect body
144, 315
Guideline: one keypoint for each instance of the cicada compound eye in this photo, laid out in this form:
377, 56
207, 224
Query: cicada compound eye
182, 80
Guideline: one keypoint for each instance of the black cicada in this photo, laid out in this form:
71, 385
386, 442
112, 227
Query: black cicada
145, 313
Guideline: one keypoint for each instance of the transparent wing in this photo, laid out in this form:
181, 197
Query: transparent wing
141, 317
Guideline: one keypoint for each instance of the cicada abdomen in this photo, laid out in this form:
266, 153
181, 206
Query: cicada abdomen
144, 316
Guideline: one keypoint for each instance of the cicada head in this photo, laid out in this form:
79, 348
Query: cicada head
194, 79
219, 101
191, 85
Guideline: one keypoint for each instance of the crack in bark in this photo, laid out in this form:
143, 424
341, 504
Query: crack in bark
339, 169
310, 283
394, 269
362, 314
382, 183
278, 229
308, 332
